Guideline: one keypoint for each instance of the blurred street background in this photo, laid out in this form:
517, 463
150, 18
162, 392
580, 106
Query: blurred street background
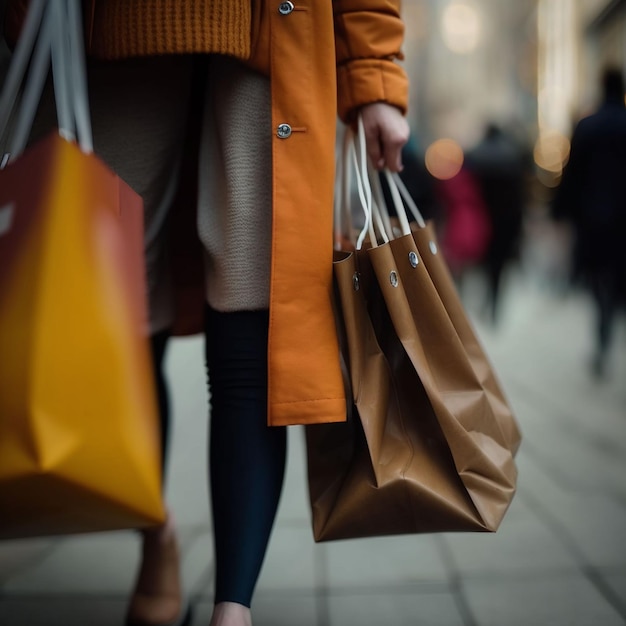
497, 88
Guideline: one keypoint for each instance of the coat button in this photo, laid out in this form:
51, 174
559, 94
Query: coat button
284, 131
285, 8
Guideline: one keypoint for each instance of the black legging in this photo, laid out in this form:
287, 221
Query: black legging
247, 458
158, 343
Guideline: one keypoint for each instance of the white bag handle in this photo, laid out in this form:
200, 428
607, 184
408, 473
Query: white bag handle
52, 31
34, 46
19, 61
395, 182
378, 210
377, 221
352, 161
78, 76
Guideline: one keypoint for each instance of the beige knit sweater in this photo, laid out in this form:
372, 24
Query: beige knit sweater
126, 28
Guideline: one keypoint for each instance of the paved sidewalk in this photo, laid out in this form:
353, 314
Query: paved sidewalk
558, 559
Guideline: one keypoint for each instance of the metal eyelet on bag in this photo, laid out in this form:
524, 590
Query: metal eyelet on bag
283, 131
356, 282
393, 279
413, 259
433, 246
285, 8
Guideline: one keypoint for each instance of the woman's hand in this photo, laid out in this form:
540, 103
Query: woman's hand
386, 131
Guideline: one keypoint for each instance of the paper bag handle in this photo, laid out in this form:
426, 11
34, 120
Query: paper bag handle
52, 31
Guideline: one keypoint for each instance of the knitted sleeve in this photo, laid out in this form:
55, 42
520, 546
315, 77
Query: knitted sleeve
127, 28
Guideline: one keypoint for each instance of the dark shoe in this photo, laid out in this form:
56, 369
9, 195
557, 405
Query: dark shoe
157, 598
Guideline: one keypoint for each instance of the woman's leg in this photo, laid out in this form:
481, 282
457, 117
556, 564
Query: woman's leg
139, 111
247, 457
158, 345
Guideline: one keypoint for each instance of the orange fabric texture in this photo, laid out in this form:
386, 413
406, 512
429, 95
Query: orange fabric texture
305, 381
368, 36
116, 29
125, 28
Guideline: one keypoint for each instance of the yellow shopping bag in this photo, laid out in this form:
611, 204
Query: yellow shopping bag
79, 443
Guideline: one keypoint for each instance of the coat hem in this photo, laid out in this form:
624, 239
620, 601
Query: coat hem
324, 411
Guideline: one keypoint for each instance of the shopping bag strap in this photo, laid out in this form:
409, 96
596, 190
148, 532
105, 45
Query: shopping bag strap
400, 197
52, 35
77, 75
354, 160
400, 193
32, 46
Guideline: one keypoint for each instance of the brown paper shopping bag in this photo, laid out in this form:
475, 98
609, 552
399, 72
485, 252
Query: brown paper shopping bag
429, 444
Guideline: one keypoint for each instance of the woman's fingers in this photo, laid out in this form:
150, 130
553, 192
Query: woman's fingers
386, 132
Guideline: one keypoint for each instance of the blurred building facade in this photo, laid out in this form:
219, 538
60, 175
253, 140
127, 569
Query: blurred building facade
529, 65
470, 62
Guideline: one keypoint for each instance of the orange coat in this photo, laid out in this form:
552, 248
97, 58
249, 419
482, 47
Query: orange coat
309, 52
324, 57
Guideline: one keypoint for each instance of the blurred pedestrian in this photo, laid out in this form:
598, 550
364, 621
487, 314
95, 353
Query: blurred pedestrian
592, 195
464, 225
264, 200
497, 164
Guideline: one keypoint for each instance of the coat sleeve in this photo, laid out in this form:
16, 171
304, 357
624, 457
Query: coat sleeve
368, 39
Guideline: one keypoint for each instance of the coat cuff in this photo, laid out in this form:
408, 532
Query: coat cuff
364, 81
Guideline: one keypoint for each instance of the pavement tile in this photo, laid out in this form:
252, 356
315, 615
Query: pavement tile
270, 610
616, 581
384, 561
65, 610
574, 461
541, 599
15, 555
394, 609
523, 545
290, 561
198, 565
187, 494
294, 508
103, 563
285, 609
536, 483
187, 490
596, 525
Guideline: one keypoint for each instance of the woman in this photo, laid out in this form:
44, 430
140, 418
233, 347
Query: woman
278, 74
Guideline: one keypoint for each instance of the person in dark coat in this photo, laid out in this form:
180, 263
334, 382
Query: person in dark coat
592, 195
498, 165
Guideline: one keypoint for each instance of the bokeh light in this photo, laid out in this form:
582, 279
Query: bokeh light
444, 159
552, 151
461, 27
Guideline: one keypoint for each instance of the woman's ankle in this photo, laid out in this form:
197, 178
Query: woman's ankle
231, 614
